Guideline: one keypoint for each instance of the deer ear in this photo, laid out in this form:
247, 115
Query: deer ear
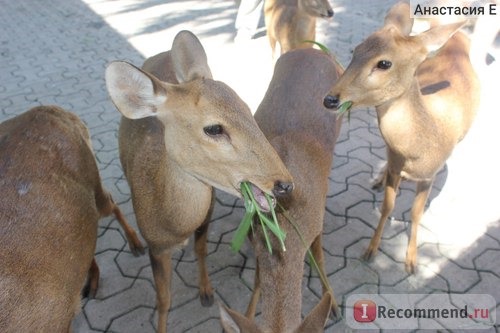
189, 58
315, 321
233, 322
135, 93
399, 17
434, 38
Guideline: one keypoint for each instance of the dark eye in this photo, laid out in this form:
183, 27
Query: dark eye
384, 64
213, 130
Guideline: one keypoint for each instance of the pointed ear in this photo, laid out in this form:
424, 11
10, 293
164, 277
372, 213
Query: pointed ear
189, 58
434, 38
234, 322
315, 321
135, 93
399, 17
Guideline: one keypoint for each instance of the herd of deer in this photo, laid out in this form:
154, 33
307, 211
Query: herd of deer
183, 134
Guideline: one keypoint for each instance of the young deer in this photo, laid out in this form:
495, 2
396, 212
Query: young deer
294, 120
425, 105
290, 23
183, 133
52, 198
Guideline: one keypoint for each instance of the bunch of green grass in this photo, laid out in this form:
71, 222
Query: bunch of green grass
269, 224
266, 222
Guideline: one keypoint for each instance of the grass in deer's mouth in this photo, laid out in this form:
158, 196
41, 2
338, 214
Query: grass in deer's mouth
269, 224
343, 108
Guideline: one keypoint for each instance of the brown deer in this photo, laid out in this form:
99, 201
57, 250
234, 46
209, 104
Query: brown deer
425, 105
52, 199
182, 134
291, 23
294, 120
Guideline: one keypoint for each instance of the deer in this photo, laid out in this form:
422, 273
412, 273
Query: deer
52, 199
425, 93
182, 134
292, 23
294, 120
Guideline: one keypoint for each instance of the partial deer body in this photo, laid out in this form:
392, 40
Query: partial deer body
184, 133
425, 105
290, 23
294, 120
52, 198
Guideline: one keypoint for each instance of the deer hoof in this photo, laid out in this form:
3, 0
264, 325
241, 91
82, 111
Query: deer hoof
137, 249
411, 267
206, 299
369, 254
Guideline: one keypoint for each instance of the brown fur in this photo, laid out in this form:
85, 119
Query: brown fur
52, 198
425, 106
291, 22
171, 164
294, 120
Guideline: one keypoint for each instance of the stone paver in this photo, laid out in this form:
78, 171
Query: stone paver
55, 52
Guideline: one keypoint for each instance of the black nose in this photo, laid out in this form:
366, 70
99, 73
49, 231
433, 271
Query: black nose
282, 188
331, 102
330, 12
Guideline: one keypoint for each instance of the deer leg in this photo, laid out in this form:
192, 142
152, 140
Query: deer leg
252, 306
90, 288
423, 190
134, 243
200, 247
391, 187
161, 265
317, 252
206, 291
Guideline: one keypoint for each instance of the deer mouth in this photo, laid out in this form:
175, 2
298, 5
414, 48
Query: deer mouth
260, 198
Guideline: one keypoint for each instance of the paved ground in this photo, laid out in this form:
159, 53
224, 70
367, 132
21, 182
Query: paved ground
55, 52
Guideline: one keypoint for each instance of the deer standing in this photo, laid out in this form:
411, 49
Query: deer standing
425, 105
290, 23
52, 199
182, 134
294, 120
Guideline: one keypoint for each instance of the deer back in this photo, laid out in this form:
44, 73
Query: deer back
51, 201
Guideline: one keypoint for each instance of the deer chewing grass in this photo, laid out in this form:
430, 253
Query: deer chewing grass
269, 224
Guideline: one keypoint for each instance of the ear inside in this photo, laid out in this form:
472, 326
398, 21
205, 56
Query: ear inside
399, 17
315, 321
135, 94
189, 58
434, 38
234, 322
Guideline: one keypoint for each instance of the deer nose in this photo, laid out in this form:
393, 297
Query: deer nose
330, 12
331, 102
282, 188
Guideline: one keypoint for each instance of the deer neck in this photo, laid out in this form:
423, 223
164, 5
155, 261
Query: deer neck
404, 119
280, 274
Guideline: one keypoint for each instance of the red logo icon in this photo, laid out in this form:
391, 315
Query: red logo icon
365, 311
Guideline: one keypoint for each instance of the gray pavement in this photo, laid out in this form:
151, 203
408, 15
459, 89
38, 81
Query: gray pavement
55, 52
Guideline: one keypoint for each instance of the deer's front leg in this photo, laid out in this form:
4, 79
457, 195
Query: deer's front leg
391, 188
161, 265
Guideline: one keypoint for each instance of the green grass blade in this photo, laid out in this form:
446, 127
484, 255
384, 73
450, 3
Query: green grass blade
321, 46
242, 232
266, 237
313, 261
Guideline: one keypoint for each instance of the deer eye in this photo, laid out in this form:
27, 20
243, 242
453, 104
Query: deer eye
213, 130
384, 64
